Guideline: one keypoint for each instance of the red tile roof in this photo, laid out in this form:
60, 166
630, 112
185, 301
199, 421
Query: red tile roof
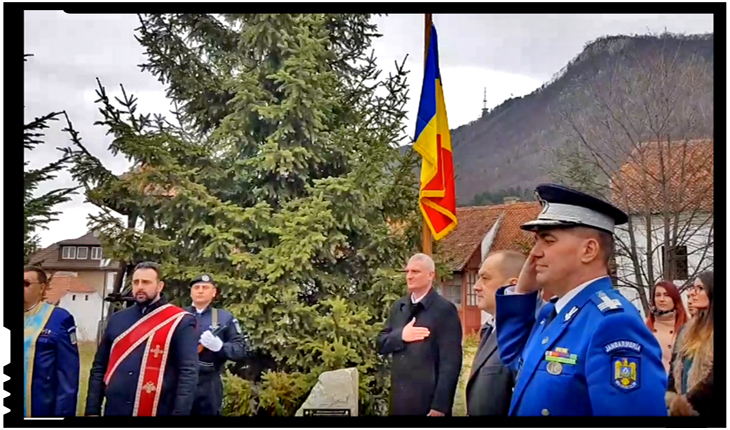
62, 284
678, 175
473, 223
476, 221
510, 235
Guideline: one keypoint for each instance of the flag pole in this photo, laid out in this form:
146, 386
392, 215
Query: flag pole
426, 237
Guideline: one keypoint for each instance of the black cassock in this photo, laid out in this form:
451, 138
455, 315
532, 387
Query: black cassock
424, 374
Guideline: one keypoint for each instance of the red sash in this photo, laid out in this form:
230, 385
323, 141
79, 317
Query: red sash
155, 330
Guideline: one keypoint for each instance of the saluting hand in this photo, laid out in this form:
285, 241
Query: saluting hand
414, 334
527, 282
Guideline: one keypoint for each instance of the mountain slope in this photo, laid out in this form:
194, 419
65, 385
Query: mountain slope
512, 145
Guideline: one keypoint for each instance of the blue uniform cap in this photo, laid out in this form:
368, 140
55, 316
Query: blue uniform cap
566, 207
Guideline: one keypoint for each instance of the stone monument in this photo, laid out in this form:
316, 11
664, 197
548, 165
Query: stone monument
335, 394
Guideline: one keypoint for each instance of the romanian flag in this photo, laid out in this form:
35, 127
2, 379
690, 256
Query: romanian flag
437, 196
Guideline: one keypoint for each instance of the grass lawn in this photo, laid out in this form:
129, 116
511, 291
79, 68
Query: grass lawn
86, 356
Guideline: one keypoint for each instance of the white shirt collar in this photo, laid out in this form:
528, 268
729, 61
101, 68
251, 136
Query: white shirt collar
563, 301
415, 300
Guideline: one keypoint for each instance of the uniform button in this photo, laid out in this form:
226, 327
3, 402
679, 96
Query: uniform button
544, 341
545, 412
131, 373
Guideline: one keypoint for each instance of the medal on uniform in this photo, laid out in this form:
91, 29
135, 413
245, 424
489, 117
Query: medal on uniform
554, 368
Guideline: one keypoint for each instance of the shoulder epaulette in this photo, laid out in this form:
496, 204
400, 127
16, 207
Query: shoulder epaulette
606, 304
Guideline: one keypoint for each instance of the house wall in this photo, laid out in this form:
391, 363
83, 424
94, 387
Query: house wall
86, 310
95, 279
699, 238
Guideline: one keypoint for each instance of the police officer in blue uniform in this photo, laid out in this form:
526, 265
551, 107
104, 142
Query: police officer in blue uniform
587, 352
51, 356
220, 339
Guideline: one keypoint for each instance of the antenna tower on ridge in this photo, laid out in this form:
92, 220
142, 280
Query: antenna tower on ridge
485, 110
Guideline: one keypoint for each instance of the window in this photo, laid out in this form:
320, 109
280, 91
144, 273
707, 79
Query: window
73, 297
96, 253
678, 268
452, 289
82, 253
69, 253
86, 297
471, 296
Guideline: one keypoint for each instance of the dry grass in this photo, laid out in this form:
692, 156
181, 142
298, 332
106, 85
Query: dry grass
86, 356
470, 344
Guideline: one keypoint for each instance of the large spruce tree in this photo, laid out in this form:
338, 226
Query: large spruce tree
38, 209
280, 177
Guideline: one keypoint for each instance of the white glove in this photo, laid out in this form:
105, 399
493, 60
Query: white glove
213, 343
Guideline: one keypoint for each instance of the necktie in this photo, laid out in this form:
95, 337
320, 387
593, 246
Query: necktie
486, 331
553, 312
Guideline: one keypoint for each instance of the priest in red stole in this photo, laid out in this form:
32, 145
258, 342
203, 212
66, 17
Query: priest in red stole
147, 360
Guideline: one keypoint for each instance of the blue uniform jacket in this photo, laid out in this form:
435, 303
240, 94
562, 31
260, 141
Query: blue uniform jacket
618, 368
179, 381
235, 342
54, 383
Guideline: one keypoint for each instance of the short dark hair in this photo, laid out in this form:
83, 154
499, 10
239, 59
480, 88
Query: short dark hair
606, 242
149, 265
42, 277
604, 239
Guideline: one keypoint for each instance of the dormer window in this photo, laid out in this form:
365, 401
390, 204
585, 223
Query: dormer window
82, 252
69, 253
96, 253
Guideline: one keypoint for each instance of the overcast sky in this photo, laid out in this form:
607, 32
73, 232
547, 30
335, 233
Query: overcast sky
509, 55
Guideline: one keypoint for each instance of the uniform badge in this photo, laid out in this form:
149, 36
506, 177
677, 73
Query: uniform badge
72, 335
626, 373
570, 313
205, 278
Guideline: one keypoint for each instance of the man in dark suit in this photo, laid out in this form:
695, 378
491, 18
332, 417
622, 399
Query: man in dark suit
489, 389
423, 332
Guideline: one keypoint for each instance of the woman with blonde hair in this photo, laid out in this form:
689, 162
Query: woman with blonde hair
690, 388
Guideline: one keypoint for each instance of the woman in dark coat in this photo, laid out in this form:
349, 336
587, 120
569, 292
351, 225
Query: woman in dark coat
691, 378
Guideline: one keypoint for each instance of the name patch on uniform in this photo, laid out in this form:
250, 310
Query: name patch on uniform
622, 344
626, 373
